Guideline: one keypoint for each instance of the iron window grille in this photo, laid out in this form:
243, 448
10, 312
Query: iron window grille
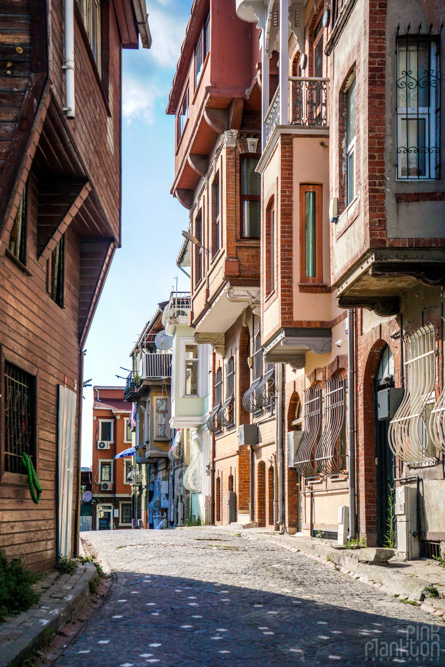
418, 107
306, 456
411, 433
330, 453
20, 418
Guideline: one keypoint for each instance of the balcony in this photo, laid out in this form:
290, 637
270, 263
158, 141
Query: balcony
177, 311
154, 366
308, 107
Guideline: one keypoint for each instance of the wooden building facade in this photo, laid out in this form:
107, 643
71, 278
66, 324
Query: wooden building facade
60, 192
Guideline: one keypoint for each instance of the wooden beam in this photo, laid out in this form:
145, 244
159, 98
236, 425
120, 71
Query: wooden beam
59, 202
236, 113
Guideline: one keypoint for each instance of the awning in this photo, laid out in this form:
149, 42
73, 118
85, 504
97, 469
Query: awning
127, 452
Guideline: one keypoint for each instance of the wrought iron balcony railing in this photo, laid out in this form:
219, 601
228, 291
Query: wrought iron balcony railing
154, 366
308, 105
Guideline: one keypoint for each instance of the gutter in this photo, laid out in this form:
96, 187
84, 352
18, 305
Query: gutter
140, 10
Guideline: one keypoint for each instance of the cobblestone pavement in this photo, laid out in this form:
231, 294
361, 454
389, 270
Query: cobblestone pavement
199, 596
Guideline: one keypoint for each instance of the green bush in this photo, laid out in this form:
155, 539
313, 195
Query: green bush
66, 565
91, 559
16, 592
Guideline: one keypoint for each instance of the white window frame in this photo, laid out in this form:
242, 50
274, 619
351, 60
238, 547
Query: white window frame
350, 151
123, 502
101, 421
157, 399
105, 508
195, 361
126, 469
101, 462
203, 365
126, 423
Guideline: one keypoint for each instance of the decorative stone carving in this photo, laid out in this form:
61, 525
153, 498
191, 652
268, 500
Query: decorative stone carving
216, 340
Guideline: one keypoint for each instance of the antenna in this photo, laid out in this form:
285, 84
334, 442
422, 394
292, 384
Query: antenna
163, 341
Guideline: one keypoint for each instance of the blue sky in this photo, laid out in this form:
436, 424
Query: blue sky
143, 271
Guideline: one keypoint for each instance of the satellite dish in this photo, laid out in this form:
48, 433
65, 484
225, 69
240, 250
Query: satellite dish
87, 497
163, 341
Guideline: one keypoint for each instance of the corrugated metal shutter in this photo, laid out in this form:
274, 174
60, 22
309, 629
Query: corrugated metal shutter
66, 446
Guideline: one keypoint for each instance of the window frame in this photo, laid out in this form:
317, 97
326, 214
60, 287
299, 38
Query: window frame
126, 468
271, 250
203, 47
56, 293
199, 250
92, 23
351, 146
318, 189
22, 213
106, 462
195, 362
216, 215
430, 115
110, 421
10, 475
127, 425
121, 504
183, 113
157, 423
248, 197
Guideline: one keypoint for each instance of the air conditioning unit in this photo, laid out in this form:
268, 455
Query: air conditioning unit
106, 486
294, 439
103, 444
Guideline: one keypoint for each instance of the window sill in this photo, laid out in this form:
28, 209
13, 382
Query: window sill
317, 288
347, 217
217, 256
17, 262
14, 479
270, 297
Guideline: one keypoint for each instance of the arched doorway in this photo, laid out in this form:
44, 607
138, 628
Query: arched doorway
384, 457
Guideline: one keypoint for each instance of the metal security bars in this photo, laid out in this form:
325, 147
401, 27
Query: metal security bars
331, 448
305, 460
261, 394
409, 434
309, 97
20, 434
418, 107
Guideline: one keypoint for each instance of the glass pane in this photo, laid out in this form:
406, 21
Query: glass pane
105, 472
161, 425
310, 235
318, 58
351, 176
191, 378
251, 219
250, 180
191, 351
207, 36
412, 147
414, 73
198, 59
350, 113
105, 431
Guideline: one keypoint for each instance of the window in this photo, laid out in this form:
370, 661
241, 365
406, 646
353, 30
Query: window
17, 240
230, 378
91, 16
191, 370
311, 269
257, 358
270, 247
317, 47
106, 430
127, 471
58, 272
106, 471
128, 433
351, 122
216, 202
183, 115
217, 387
418, 107
20, 418
125, 513
250, 199
199, 252
305, 462
161, 418
202, 49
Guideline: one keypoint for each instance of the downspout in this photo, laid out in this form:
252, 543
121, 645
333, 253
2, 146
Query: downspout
68, 62
280, 448
212, 461
252, 484
351, 422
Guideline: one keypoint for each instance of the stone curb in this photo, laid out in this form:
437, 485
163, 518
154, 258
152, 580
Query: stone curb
23, 647
407, 586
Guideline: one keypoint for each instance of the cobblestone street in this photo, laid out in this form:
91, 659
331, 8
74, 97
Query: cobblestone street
200, 596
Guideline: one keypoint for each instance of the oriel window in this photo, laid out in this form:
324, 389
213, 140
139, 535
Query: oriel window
58, 272
17, 240
351, 124
418, 107
191, 370
311, 234
250, 198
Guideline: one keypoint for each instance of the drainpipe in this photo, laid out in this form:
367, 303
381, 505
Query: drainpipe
280, 448
252, 484
68, 62
212, 463
351, 422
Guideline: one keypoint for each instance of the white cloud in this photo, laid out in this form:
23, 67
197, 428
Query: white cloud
139, 99
168, 32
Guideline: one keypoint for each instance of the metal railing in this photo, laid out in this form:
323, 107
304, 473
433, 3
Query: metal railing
179, 305
308, 101
272, 117
156, 365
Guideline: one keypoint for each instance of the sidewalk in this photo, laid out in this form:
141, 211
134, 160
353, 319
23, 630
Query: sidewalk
60, 598
411, 580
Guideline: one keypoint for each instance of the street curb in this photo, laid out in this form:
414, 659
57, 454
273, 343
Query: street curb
24, 647
404, 586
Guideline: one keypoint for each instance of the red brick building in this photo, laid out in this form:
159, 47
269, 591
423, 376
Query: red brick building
60, 194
